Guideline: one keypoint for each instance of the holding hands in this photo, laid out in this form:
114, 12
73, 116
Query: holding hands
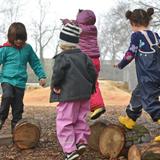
42, 82
65, 21
115, 65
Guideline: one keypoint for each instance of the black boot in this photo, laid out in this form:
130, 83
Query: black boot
12, 127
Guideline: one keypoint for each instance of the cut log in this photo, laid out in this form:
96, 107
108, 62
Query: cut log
138, 135
106, 138
147, 151
26, 133
111, 141
96, 129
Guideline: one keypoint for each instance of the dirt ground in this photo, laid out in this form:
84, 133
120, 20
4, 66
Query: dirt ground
37, 106
114, 94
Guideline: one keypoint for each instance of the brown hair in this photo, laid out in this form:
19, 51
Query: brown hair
140, 17
17, 31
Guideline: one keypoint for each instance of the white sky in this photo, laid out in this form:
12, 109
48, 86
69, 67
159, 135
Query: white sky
98, 6
66, 9
59, 9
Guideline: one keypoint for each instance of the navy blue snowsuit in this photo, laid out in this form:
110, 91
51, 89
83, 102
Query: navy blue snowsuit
144, 49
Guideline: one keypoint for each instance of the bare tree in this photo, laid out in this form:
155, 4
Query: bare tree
156, 5
114, 38
10, 11
114, 32
42, 32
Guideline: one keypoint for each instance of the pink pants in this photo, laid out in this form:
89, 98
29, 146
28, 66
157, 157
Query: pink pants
71, 124
96, 100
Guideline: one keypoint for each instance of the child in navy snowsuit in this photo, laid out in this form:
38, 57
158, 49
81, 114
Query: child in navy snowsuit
144, 48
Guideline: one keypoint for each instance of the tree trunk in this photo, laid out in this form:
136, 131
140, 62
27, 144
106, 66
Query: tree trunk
41, 56
147, 151
26, 133
113, 140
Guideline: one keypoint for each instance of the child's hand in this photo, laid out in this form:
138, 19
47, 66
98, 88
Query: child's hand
115, 65
65, 21
57, 91
42, 82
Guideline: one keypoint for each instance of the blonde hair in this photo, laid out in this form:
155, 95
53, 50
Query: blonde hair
66, 47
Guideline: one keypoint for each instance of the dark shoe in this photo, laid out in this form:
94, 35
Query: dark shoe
72, 156
12, 127
1, 124
81, 148
97, 113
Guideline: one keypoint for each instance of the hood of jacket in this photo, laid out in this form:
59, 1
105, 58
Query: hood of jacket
86, 17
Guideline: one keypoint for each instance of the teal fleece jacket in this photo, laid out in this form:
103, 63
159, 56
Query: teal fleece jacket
14, 65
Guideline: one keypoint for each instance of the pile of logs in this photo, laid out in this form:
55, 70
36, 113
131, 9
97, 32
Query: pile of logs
109, 139
114, 140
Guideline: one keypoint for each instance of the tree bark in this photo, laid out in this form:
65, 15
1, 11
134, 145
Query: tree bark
138, 135
147, 151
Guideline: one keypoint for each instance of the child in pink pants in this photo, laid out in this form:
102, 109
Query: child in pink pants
73, 82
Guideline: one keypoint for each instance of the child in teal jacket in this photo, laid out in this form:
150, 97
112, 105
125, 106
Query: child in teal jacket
14, 56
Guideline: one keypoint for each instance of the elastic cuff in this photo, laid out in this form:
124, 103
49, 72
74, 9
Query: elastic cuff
69, 150
96, 107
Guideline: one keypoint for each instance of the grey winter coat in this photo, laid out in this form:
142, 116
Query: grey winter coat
74, 74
